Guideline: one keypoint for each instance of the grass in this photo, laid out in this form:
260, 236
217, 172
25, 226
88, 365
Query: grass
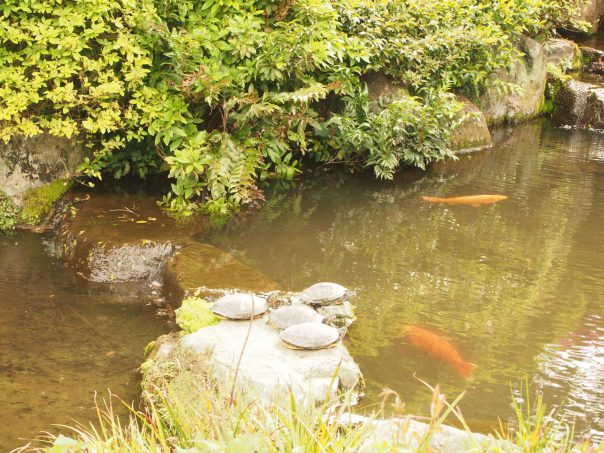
215, 424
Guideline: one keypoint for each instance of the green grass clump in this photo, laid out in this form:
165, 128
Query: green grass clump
194, 314
220, 421
39, 201
9, 213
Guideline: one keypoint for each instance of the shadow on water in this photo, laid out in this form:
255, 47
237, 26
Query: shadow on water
61, 341
506, 284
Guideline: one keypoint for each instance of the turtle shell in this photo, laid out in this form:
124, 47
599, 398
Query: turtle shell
288, 316
323, 293
310, 335
240, 306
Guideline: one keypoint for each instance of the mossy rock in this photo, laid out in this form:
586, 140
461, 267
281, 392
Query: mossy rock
38, 202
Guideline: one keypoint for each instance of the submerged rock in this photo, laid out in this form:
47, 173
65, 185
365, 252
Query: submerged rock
114, 238
579, 104
204, 270
268, 369
529, 74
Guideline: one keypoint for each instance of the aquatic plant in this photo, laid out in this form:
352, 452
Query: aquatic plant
194, 314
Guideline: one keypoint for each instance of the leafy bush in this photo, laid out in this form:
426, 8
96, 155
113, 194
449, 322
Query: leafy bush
222, 93
9, 213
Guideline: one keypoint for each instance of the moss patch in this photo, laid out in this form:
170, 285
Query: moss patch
195, 314
9, 213
39, 201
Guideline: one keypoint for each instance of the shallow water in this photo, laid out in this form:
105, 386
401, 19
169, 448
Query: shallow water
517, 287
62, 340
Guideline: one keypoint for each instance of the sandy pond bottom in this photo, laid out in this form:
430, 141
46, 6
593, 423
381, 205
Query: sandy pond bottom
516, 287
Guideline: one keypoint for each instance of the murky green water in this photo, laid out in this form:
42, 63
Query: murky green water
517, 287
62, 340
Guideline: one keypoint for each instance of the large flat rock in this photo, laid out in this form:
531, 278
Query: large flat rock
268, 369
393, 433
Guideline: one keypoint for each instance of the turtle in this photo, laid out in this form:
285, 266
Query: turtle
324, 293
287, 316
239, 306
341, 315
310, 335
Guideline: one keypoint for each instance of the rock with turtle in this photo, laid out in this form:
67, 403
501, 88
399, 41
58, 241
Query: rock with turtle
274, 342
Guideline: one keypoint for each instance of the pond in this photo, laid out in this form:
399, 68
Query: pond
517, 287
62, 340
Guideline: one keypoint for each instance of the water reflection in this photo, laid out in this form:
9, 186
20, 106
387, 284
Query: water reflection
500, 282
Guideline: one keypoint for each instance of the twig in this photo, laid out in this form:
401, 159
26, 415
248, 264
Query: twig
247, 336
125, 209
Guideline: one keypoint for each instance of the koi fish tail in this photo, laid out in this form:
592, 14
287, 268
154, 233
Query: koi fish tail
433, 199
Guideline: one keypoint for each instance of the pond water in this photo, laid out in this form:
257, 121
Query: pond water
516, 287
62, 340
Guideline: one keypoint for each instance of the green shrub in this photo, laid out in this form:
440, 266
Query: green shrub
221, 93
9, 213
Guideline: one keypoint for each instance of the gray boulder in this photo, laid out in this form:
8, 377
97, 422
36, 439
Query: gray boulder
27, 163
473, 132
529, 75
268, 368
579, 104
563, 54
594, 60
591, 13
392, 434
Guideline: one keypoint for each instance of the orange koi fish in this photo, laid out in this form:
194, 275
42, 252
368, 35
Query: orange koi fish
472, 200
440, 348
